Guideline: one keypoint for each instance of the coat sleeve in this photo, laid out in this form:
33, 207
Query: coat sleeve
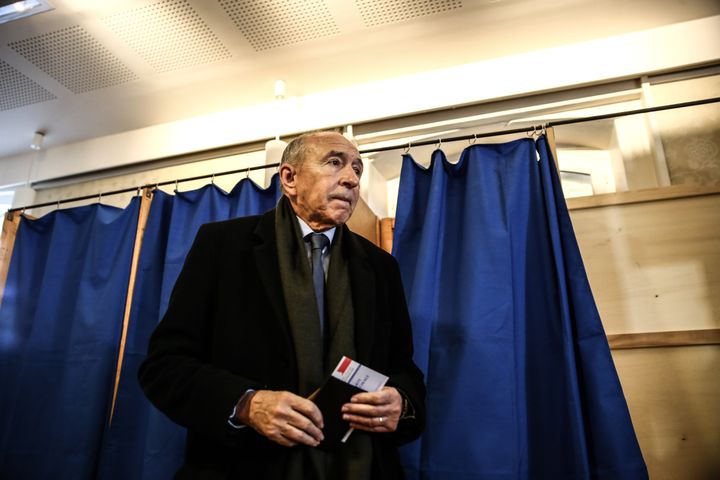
177, 375
404, 374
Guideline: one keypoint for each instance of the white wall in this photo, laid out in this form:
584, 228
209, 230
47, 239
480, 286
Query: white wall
630, 55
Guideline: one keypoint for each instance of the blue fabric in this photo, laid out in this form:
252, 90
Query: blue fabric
60, 325
142, 443
521, 383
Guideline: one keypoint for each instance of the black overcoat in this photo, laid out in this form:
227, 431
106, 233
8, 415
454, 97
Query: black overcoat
226, 330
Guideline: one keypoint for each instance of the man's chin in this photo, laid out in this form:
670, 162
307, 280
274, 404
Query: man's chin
340, 218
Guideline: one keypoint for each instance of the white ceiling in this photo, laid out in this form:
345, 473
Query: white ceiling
91, 68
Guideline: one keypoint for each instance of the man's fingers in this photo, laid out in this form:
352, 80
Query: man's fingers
374, 411
309, 410
286, 418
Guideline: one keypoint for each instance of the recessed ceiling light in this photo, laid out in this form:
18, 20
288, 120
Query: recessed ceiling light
13, 10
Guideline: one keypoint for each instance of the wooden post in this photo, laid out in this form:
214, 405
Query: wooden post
145, 202
7, 243
387, 229
550, 134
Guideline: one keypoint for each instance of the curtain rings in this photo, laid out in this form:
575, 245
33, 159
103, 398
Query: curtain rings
473, 140
212, 180
407, 149
544, 129
439, 144
247, 173
533, 133
100, 197
176, 186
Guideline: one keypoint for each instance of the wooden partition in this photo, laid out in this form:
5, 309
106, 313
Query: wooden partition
653, 261
7, 242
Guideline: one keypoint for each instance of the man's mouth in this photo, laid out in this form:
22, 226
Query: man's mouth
342, 199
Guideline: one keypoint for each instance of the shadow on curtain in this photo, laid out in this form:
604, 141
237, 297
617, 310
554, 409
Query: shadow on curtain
142, 443
521, 383
60, 326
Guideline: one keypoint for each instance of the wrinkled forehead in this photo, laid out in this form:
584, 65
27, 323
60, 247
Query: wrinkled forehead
328, 141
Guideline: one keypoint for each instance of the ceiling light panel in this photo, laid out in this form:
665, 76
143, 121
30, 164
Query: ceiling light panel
17, 90
268, 24
169, 35
382, 12
74, 58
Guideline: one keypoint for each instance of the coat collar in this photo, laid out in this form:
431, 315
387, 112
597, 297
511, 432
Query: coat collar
362, 282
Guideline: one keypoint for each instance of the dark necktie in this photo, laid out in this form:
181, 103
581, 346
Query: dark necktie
318, 241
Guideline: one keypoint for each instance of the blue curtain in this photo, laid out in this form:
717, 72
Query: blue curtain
521, 383
141, 442
60, 325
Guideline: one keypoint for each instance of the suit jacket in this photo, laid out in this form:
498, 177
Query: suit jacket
226, 330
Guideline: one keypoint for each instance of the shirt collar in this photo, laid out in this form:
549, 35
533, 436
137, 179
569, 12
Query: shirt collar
305, 229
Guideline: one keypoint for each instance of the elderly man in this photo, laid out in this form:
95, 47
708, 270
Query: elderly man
261, 313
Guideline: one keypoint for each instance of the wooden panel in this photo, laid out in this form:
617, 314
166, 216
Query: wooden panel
664, 339
364, 222
673, 395
639, 196
7, 242
654, 266
387, 229
139, 234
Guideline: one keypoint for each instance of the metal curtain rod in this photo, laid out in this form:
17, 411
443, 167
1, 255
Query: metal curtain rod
395, 147
137, 189
546, 125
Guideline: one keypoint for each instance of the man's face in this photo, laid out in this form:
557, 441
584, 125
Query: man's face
325, 188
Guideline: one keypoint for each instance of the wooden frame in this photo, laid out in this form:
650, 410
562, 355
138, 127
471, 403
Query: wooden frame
680, 338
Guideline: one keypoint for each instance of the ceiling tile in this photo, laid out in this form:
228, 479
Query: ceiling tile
17, 90
270, 24
169, 35
74, 58
382, 12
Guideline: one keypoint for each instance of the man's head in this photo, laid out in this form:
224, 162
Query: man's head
320, 174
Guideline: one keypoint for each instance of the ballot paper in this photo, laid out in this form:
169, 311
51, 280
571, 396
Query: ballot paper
358, 375
348, 378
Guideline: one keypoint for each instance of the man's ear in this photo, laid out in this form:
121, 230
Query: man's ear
287, 178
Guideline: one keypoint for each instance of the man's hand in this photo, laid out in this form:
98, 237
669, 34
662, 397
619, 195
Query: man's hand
374, 411
285, 418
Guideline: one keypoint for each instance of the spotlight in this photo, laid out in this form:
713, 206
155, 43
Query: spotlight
37, 141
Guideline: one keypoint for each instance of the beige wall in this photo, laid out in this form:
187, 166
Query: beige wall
655, 266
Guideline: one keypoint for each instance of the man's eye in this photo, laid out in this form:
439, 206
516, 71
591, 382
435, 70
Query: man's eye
335, 161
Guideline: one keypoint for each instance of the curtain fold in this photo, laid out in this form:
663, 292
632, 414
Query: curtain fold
60, 326
142, 443
521, 383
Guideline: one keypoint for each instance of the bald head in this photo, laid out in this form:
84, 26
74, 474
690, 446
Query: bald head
320, 174
296, 151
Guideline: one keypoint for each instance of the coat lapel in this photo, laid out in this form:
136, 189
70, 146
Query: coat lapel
362, 282
266, 260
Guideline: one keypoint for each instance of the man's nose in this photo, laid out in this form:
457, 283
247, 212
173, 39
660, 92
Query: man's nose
349, 178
